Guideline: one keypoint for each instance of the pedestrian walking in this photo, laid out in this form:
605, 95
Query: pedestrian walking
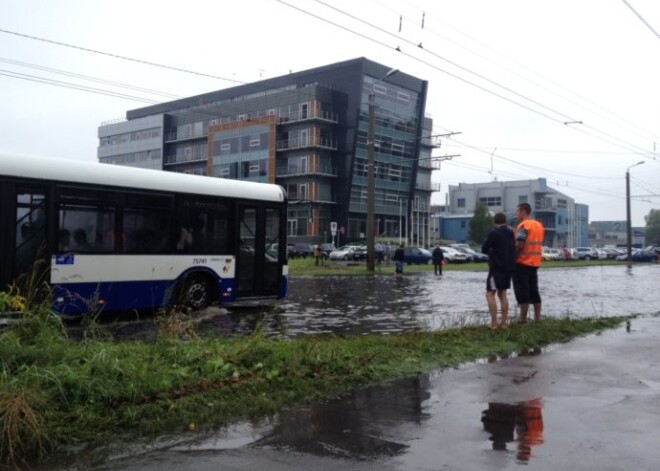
438, 260
380, 254
398, 258
529, 246
500, 248
317, 255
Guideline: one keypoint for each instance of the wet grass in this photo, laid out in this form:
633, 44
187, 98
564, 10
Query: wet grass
55, 392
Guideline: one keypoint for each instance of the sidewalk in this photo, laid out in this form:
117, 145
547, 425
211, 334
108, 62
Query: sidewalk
596, 405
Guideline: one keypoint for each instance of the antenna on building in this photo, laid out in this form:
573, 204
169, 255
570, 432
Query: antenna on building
491, 162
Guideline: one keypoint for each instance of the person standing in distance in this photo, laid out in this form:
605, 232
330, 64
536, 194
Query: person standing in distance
438, 260
529, 246
501, 251
399, 258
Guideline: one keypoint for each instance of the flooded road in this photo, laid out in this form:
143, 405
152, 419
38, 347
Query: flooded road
384, 303
422, 301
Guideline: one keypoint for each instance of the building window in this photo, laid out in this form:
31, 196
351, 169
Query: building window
460, 203
561, 203
380, 89
491, 201
463, 224
404, 97
255, 142
522, 199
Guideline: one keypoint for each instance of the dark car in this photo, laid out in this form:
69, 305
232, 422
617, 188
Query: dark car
299, 250
360, 253
326, 249
417, 255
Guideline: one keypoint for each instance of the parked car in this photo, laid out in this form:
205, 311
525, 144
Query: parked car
640, 255
299, 250
344, 252
550, 253
454, 256
326, 249
585, 253
476, 256
417, 255
360, 252
568, 253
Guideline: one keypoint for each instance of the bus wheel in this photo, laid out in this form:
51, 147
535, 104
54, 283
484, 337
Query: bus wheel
197, 293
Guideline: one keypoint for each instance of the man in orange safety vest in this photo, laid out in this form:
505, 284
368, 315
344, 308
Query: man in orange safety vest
529, 247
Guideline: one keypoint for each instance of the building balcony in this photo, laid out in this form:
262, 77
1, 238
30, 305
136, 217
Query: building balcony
311, 142
174, 137
297, 170
298, 117
431, 141
170, 160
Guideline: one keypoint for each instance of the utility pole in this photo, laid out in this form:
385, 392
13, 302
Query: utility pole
628, 219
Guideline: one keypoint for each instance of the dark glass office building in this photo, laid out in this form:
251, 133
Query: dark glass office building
306, 131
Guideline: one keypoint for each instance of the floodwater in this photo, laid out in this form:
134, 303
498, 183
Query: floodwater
551, 408
422, 301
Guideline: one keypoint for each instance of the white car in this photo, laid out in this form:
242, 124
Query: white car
454, 256
552, 254
343, 253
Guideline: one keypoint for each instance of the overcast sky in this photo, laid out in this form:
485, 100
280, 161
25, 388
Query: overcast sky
505, 74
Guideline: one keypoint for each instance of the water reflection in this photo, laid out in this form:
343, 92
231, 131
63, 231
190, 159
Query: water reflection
521, 423
357, 427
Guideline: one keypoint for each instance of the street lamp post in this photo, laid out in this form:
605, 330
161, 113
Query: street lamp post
628, 221
371, 177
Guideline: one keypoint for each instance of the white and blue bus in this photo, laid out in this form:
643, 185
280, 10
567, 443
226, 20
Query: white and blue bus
116, 238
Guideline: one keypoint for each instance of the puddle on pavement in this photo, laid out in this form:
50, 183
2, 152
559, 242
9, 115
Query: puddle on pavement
517, 427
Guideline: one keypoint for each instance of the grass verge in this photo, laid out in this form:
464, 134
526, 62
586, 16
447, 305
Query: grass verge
55, 392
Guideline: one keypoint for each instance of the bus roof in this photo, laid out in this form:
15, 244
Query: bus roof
79, 171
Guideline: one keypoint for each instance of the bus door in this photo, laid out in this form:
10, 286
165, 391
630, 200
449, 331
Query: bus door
29, 228
258, 259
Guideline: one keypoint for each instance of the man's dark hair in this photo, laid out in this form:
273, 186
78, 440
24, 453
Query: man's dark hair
499, 218
525, 207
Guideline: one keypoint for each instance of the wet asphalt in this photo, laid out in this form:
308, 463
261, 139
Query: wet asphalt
593, 403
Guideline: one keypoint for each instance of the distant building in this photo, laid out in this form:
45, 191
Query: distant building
306, 131
565, 222
615, 234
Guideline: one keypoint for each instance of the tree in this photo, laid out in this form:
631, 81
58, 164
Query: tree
480, 224
653, 227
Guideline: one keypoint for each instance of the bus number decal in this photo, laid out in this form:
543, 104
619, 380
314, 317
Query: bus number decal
199, 261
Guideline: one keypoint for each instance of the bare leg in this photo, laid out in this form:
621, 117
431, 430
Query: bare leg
492, 308
504, 302
523, 313
537, 312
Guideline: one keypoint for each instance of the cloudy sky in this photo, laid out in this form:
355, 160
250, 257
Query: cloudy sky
561, 89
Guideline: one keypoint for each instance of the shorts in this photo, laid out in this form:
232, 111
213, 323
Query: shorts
526, 284
498, 280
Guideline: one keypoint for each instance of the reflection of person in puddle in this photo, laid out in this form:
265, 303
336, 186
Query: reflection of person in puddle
529, 428
522, 422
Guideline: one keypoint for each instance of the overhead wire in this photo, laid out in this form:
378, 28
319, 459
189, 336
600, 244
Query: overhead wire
566, 118
118, 56
632, 127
